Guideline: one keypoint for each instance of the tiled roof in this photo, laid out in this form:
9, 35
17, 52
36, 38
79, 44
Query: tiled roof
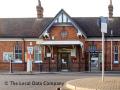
90, 26
33, 28
22, 27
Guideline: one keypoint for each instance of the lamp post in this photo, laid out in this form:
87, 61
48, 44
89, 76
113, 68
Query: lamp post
103, 30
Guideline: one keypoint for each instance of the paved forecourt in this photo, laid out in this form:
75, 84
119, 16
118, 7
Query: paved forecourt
94, 83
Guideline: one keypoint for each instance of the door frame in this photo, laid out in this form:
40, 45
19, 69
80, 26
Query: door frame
98, 62
60, 62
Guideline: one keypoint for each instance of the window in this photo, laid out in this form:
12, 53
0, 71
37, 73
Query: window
18, 53
7, 56
62, 18
92, 48
64, 33
116, 56
37, 54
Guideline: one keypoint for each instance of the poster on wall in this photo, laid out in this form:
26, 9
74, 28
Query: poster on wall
48, 54
30, 50
7, 56
73, 52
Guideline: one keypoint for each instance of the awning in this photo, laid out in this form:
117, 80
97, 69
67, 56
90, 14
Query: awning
61, 43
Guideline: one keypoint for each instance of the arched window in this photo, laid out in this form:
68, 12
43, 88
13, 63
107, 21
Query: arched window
37, 54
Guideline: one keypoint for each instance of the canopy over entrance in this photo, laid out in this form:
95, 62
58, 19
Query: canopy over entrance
62, 43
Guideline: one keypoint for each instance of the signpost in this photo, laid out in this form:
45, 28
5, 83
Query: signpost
103, 30
29, 58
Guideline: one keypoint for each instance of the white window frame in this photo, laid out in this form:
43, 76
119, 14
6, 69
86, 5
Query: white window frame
116, 62
19, 47
38, 54
62, 18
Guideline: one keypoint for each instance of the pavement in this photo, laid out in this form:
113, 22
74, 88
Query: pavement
63, 72
109, 83
18, 79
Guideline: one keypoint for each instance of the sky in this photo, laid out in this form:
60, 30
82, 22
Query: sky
75, 8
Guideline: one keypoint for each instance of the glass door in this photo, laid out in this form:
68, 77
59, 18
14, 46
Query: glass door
64, 61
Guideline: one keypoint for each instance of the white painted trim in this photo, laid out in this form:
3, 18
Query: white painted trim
100, 39
15, 61
62, 43
40, 61
63, 24
32, 39
20, 39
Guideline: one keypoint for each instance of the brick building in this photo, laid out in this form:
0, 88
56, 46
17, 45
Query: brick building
61, 43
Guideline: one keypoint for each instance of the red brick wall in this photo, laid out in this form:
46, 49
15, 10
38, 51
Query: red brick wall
108, 56
8, 46
5, 47
107, 53
56, 32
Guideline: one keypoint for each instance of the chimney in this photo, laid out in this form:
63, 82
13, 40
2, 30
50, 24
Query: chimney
110, 8
39, 10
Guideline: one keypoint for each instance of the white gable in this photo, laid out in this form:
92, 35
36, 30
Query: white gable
62, 18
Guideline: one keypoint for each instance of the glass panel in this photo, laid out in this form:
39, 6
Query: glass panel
16, 56
37, 55
60, 18
116, 49
20, 51
116, 57
64, 18
16, 51
64, 34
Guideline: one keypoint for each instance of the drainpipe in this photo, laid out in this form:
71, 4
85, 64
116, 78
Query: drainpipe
111, 49
24, 54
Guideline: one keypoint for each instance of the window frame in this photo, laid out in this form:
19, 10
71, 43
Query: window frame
39, 60
116, 61
18, 51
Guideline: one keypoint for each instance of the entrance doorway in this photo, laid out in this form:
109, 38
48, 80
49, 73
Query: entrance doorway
64, 57
94, 62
